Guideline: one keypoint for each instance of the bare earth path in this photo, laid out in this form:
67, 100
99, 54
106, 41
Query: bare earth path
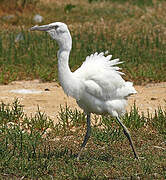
51, 95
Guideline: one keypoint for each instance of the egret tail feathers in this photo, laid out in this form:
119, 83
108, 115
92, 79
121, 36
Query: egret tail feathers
126, 90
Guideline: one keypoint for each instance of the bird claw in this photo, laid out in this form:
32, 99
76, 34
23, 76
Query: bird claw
139, 158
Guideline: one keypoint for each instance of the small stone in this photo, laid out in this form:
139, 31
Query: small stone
46, 89
153, 98
38, 18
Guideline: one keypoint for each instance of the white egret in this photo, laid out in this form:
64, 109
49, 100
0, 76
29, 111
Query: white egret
97, 85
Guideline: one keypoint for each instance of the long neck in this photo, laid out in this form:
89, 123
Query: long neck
66, 77
63, 66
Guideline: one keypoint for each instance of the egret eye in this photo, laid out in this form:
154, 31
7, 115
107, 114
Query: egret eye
56, 26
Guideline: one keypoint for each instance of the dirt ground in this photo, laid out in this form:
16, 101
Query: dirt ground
49, 96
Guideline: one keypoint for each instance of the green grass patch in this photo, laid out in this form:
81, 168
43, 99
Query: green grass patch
140, 3
129, 31
35, 147
35, 55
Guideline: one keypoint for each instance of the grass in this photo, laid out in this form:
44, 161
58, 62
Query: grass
140, 3
34, 147
133, 32
144, 62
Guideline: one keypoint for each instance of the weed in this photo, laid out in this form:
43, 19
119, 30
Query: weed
108, 131
133, 119
159, 121
27, 149
69, 119
69, 7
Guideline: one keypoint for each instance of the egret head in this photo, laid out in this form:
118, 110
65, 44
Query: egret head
58, 31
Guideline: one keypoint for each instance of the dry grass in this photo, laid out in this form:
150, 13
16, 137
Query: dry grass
124, 19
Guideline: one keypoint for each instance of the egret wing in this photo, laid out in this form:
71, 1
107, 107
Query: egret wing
102, 77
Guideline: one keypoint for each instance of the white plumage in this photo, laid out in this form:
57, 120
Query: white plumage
97, 85
102, 85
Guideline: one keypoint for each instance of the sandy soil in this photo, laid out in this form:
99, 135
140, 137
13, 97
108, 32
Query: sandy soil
51, 95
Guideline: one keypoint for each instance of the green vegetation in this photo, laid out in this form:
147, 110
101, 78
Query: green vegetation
135, 2
132, 32
34, 147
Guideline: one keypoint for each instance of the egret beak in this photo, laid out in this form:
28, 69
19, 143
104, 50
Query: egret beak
40, 28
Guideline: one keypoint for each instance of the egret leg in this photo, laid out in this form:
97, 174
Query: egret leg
126, 132
87, 135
